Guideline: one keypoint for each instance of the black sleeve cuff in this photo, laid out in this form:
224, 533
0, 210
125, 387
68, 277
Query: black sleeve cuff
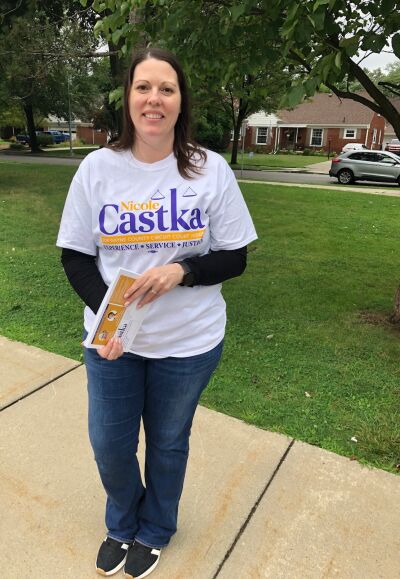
216, 266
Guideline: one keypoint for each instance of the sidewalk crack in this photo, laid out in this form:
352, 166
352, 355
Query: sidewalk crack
253, 510
40, 387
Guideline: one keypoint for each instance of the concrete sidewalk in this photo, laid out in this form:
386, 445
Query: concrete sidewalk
255, 505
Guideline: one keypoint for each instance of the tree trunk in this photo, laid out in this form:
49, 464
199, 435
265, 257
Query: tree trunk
236, 130
395, 317
235, 144
117, 75
30, 123
387, 109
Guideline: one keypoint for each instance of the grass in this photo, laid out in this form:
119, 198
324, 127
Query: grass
301, 355
261, 161
79, 152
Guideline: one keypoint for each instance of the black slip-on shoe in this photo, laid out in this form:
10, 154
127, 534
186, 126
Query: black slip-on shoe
111, 557
141, 561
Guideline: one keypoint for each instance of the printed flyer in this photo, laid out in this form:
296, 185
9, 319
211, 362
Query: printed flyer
113, 318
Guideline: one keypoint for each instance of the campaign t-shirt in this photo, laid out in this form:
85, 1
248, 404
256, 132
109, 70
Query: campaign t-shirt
139, 215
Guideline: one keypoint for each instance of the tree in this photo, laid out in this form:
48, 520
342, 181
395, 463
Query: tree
246, 78
323, 39
41, 49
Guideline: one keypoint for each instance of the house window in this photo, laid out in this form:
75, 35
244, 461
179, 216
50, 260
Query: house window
316, 137
262, 135
374, 136
240, 134
350, 133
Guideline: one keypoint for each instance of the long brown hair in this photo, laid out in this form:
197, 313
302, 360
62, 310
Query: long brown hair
186, 151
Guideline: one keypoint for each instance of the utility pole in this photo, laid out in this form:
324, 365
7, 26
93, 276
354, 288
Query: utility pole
71, 152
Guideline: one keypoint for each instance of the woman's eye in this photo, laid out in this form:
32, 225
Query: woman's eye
167, 90
141, 87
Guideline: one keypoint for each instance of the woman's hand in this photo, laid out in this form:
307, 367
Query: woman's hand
154, 283
112, 350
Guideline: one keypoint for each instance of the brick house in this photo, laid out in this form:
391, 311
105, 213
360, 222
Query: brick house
323, 122
80, 130
389, 130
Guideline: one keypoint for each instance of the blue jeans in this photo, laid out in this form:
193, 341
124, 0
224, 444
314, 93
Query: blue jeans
164, 393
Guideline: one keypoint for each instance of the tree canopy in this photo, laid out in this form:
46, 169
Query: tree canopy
320, 40
44, 60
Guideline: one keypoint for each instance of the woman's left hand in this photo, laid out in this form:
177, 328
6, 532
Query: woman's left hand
154, 283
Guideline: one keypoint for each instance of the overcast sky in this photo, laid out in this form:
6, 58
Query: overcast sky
379, 60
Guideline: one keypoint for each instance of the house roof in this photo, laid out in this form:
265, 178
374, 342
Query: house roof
327, 109
262, 119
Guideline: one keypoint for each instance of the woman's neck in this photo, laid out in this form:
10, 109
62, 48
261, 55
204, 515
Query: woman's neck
149, 153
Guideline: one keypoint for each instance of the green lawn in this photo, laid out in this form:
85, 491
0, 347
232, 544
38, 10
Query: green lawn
79, 152
260, 161
307, 351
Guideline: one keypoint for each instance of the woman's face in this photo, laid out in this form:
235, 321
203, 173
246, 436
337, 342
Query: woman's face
155, 102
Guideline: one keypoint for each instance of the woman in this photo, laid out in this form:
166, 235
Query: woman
157, 204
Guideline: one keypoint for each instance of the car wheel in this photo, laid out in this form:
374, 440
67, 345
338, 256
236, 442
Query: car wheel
345, 177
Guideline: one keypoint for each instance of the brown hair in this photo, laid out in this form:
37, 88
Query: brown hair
185, 149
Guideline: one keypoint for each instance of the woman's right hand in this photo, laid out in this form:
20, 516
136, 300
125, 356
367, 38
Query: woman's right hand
112, 350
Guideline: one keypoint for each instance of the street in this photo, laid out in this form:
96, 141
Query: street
295, 176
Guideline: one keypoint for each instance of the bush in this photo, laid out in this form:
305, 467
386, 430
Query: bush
212, 134
44, 140
306, 152
16, 146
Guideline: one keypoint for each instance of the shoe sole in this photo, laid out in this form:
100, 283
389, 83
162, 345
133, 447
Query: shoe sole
113, 571
149, 570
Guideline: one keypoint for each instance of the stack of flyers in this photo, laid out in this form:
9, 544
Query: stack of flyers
115, 319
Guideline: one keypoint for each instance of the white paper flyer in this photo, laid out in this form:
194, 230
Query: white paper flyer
113, 318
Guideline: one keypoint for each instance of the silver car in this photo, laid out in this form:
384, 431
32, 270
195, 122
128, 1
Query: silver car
366, 165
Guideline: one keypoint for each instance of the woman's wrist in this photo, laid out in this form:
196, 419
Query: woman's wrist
188, 278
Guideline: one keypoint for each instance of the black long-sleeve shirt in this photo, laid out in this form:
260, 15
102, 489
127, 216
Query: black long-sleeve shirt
212, 268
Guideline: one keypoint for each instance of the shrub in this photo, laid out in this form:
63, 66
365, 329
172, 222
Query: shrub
16, 146
212, 134
44, 140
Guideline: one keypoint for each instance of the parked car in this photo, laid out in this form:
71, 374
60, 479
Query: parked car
353, 147
393, 146
58, 136
366, 165
24, 139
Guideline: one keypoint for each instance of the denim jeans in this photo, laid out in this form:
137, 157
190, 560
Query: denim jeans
164, 393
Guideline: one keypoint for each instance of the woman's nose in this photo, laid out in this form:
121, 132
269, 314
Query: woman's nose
154, 96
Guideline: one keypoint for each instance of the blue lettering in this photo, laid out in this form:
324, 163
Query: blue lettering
143, 219
102, 218
128, 226
160, 218
175, 220
195, 222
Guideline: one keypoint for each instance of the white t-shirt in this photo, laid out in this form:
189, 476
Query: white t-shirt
137, 215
